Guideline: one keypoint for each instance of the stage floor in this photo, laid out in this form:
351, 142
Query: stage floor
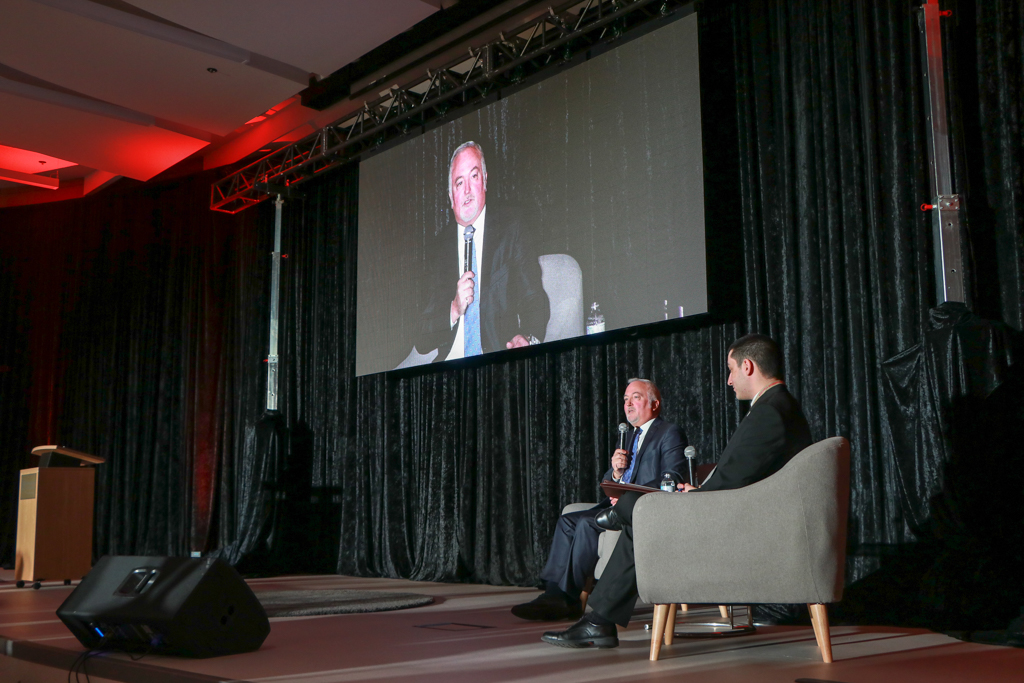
468, 634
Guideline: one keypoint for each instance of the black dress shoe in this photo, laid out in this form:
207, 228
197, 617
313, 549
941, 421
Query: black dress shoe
608, 520
584, 634
549, 607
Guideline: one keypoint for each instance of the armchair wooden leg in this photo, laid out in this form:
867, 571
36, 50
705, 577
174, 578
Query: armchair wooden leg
670, 623
814, 625
660, 616
683, 607
819, 619
724, 610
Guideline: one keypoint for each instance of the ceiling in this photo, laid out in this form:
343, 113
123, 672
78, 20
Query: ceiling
96, 90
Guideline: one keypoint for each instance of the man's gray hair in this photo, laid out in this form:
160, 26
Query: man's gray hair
652, 390
459, 150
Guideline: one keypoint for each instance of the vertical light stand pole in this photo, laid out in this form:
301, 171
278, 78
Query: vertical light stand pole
275, 295
949, 279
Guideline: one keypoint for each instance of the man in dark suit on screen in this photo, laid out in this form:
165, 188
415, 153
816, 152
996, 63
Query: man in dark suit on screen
490, 297
655, 446
773, 431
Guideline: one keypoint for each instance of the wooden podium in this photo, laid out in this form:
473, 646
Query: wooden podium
55, 517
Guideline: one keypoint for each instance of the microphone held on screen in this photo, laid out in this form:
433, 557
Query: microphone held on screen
690, 452
467, 256
623, 428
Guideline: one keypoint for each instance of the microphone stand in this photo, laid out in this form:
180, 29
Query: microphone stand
690, 454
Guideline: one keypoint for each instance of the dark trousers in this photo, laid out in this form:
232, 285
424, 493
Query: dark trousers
573, 555
615, 595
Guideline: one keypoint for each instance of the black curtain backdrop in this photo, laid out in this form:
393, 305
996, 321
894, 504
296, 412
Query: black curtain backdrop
131, 331
134, 323
954, 407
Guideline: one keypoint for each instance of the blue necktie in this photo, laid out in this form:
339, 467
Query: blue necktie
472, 318
627, 478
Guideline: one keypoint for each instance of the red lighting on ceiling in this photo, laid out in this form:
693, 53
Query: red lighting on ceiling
270, 112
26, 161
45, 182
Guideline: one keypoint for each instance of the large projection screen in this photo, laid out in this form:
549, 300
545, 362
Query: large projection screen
602, 162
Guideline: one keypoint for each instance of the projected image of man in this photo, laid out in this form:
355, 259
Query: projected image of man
494, 299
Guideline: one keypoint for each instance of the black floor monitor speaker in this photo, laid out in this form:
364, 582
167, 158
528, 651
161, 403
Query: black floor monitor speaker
167, 605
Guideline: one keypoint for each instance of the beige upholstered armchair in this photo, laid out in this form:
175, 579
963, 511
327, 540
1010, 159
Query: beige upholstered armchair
781, 540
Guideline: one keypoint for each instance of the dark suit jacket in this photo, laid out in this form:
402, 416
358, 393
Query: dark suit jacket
661, 451
512, 300
773, 431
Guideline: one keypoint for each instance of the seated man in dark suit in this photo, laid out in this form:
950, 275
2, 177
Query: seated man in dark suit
658, 446
773, 431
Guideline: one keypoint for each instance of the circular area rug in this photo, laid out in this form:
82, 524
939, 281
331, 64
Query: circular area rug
305, 603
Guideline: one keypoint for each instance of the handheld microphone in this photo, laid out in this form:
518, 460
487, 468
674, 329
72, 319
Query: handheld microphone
623, 428
466, 253
690, 452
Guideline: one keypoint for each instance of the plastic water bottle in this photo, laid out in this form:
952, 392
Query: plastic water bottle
668, 482
595, 321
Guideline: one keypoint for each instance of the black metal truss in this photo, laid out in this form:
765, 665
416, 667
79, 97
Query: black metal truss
539, 44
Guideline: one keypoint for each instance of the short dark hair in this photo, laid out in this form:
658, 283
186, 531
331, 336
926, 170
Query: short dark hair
762, 350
